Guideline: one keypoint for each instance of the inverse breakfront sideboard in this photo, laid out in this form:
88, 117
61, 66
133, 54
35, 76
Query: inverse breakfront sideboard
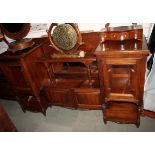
110, 77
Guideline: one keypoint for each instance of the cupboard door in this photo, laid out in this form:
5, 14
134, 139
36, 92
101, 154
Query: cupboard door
121, 80
62, 97
88, 99
16, 76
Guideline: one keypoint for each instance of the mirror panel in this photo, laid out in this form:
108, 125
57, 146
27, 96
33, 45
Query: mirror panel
15, 31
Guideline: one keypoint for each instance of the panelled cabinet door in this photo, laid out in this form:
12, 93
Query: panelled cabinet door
120, 80
16, 76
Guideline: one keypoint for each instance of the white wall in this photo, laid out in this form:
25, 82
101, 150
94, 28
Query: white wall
40, 29
37, 30
99, 26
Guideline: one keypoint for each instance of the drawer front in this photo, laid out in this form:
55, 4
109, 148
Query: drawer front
120, 36
136, 35
114, 36
122, 112
88, 100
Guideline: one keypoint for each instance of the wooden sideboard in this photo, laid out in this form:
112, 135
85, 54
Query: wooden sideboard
109, 78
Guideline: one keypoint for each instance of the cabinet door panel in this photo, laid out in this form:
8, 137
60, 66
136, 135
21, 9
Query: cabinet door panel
121, 79
62, 98
89, 99
15, 74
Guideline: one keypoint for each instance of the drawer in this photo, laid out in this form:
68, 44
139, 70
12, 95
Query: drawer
120, 36
136, 35
114, 36
122, 112
123, 36
106, 36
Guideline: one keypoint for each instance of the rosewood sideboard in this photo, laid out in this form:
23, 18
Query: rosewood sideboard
109, 78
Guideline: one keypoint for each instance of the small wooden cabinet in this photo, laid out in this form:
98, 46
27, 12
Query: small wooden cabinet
121, 73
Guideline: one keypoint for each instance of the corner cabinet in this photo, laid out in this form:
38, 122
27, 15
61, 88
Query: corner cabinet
122, 75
